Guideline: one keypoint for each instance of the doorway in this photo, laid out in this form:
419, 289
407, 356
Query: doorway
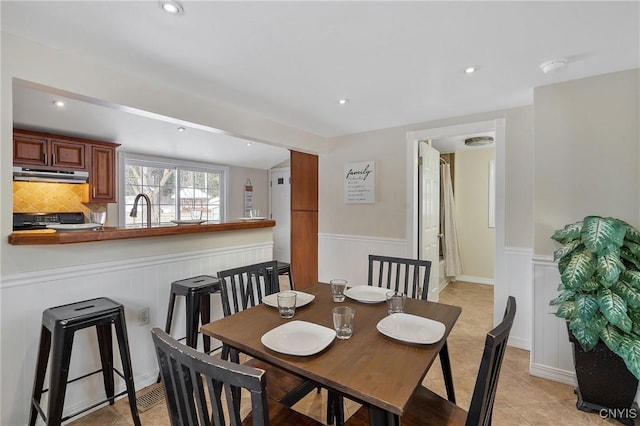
280, 200
498, 127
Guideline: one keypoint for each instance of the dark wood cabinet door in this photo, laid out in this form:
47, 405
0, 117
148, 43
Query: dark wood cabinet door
67, 155
102, 182
304, 219
29, 150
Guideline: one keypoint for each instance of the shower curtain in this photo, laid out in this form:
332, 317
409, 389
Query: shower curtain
450, 249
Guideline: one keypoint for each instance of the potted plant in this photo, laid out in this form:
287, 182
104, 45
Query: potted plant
599, 264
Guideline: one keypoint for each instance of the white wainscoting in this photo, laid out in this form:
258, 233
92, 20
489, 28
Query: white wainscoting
518, 284
551, 357
347, 256
136, 283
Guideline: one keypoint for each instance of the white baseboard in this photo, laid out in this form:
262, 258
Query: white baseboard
555, 374
475, 280
520, 343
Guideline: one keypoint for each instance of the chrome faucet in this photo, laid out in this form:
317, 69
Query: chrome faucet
134, 210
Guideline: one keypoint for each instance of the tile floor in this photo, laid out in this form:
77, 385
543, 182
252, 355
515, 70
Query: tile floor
521, 399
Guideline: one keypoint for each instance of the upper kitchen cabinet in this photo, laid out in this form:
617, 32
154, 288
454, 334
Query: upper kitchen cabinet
102, 180
57, 152
34, 149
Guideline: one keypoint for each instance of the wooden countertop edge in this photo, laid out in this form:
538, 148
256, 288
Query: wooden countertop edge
109, 234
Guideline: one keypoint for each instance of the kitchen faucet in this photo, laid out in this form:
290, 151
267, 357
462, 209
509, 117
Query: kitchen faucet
134, 210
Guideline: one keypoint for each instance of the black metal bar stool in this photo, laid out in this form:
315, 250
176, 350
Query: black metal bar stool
59, 325
198, 304
285, 269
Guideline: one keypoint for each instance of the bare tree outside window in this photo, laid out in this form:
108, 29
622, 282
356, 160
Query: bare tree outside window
174, 191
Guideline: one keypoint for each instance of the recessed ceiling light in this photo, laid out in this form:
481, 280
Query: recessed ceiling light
343, 101
181, 129
553, 65
470, 70
172, 7
249, 144
59, 104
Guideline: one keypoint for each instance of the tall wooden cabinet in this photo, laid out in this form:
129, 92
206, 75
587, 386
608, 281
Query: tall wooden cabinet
47, 151
304, 219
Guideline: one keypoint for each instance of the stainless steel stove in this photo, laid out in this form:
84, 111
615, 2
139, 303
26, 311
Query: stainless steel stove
30, 221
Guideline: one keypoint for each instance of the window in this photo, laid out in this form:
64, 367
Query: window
178, 190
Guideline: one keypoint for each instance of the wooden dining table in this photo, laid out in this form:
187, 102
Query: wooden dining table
369, 368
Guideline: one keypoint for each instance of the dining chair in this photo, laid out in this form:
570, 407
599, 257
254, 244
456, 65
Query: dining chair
427, 408
410, 276
243, 288
194, 383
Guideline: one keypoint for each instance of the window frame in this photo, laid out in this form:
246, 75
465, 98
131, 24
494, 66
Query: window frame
169, 163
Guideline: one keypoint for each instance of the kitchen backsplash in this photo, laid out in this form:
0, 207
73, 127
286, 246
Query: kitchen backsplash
34, 197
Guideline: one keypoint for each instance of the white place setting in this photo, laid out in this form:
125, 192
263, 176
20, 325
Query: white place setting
302, 299
367, 293
299, 338
411, 328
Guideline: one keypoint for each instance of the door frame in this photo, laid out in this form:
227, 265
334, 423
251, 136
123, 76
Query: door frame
498, 126
276, 170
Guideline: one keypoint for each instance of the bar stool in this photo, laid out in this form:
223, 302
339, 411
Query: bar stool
198, 303
285, 269
58, 327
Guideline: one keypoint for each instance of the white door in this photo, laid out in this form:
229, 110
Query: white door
281, 213
429, 215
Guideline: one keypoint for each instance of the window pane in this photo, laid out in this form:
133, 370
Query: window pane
174, 191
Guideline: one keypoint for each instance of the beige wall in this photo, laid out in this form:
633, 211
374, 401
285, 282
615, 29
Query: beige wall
260, 181
477, 240
387, 217
587, 152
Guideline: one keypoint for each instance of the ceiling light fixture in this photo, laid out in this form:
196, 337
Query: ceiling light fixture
172, 7
343, 101
553, 65
59, 104
470, 70
479, 141
181, 129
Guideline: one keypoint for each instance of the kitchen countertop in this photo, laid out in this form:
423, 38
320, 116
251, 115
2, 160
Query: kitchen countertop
48, 236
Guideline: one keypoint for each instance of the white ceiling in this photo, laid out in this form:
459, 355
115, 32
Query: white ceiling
398, 62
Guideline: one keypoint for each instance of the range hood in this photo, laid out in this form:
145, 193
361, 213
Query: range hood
37, 175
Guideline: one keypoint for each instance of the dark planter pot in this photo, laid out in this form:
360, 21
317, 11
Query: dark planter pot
604, 382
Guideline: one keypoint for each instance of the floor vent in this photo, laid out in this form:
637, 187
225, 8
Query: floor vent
149, 397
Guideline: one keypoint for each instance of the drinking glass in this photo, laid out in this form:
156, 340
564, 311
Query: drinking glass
343, 317
196, 214
98, 217
337, 289
395, 302
287, 304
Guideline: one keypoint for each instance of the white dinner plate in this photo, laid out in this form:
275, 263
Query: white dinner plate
246, 219
300, 338
188, 222
61, 227
367, 293
411, 328
301, 299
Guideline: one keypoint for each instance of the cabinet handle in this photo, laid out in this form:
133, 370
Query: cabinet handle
44, 157
94, 192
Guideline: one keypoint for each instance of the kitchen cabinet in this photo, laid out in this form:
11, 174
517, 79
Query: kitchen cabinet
102, 179
33, 149
57, 152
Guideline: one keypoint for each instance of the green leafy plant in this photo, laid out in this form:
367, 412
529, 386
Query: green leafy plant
599, 266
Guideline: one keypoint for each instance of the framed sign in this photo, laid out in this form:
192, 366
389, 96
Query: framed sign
360, 182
